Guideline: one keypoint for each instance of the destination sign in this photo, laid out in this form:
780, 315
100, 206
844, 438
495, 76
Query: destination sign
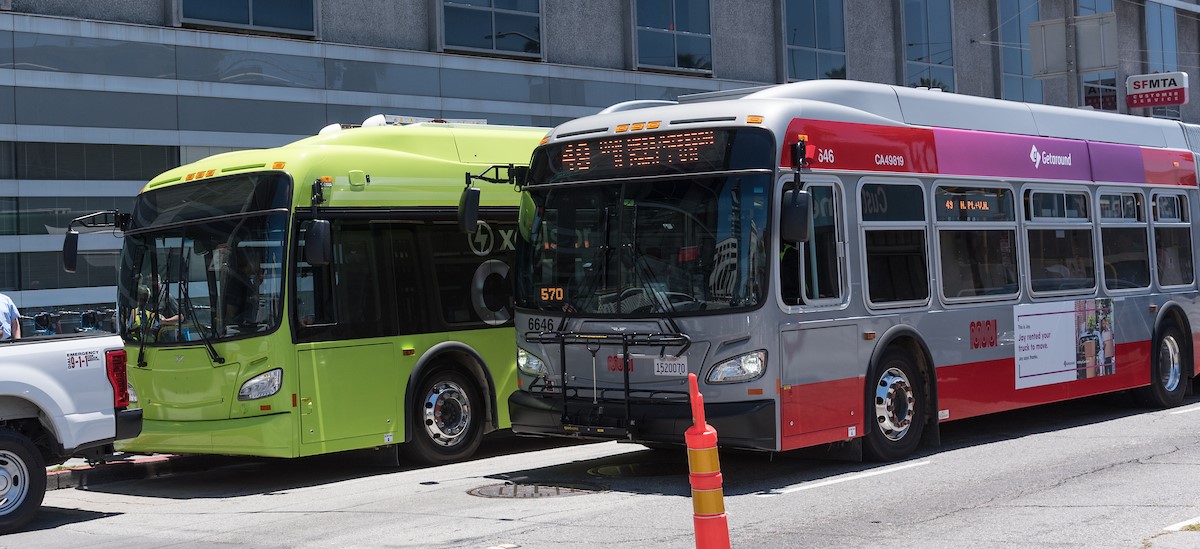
973, 204
636, 151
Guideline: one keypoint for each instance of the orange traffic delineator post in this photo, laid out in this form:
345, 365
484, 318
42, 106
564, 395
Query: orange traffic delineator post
708, 499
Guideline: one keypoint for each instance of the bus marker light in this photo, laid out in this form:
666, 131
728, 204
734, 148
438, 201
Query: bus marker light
190, 176
638, 126
652, 125
209, 173
1153, 308
293, 400
326, 179
265, 407
754, 119
278, 165
409, 352
868, 336
754, 391
622, 128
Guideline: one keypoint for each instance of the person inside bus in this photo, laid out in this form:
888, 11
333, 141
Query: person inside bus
166, 309
241, 291
141, 319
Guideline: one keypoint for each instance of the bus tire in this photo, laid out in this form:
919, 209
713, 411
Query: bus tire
895, 411
22, 480
1169, 368
448, 417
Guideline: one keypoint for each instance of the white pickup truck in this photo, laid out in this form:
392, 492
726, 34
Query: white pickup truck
60, 396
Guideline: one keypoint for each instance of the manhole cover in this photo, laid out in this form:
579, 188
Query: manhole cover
536, 490
640, 470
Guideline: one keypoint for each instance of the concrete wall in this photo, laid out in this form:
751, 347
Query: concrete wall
872, 41
145, 12
588, 33
400, 24
745, 40
975, 62
1131, 46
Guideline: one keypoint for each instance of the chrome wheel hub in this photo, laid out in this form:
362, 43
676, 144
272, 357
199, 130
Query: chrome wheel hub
14, 483
1170, 365
894, 401
447, 412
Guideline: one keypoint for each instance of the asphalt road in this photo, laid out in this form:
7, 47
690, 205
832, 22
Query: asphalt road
1097, 473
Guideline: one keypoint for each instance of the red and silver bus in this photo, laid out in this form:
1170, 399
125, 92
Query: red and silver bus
849, 262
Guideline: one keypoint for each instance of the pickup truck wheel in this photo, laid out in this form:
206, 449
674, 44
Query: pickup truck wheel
22, 480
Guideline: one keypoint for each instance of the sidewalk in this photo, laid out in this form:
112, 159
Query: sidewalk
76, 471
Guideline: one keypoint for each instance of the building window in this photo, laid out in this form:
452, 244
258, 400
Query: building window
92, 161
816, 39
1092, 7
674, 34
1016, 64
929, 44
1162, 49
281, 16
1099, 90
505, 26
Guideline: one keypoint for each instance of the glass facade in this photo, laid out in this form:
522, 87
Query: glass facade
1092, 7
1016, 64
1162, 49
504, 26
928, 44
674, 34
816, 39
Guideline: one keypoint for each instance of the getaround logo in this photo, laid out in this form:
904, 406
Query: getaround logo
1044, 157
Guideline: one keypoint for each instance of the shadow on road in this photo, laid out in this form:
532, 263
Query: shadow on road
665, 472
661, 471
189, 477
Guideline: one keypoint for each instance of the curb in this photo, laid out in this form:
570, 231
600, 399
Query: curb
111, 471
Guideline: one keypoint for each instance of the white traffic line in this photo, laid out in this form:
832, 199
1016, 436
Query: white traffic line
1180, 526
1186, 410
839, 480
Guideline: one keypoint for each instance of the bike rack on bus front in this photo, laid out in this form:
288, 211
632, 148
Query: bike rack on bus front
625, 341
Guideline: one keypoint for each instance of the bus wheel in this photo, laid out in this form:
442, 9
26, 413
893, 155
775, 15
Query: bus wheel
446, 419
1169, 369
895, 408
22, 480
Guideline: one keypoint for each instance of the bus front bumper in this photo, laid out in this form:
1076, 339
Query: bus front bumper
266, 436
748, 424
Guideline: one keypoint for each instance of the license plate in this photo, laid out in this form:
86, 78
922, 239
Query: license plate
672, 366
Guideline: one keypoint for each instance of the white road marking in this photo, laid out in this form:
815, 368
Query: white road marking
1187, 410
1180, 526
839, 480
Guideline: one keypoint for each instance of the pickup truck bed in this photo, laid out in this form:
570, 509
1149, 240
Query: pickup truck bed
60, 396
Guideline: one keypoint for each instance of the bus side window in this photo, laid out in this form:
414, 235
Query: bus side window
821, 270
314, 292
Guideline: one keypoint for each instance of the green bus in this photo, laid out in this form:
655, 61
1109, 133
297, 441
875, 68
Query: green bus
320, 297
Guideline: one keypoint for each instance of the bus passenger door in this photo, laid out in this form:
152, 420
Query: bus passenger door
821, 391
349, 375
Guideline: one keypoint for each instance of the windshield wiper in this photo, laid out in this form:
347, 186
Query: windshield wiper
186, 296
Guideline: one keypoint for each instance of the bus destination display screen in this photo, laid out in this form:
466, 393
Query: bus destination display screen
641, 154
973, 204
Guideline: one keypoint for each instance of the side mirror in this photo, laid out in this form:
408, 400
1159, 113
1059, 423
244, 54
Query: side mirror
318, 243
468, 210
795, 216
71, 251
528, 221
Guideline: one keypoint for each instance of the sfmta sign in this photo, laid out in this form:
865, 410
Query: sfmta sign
1156, 90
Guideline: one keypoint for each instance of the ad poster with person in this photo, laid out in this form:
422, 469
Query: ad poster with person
1064, 341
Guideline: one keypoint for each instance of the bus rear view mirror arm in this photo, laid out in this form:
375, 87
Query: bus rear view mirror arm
97, 220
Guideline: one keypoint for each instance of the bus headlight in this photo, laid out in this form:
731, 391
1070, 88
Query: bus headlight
747, 367
262, 385
529, 364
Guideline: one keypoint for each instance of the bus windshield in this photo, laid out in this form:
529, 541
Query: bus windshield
674, 245
203, 261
